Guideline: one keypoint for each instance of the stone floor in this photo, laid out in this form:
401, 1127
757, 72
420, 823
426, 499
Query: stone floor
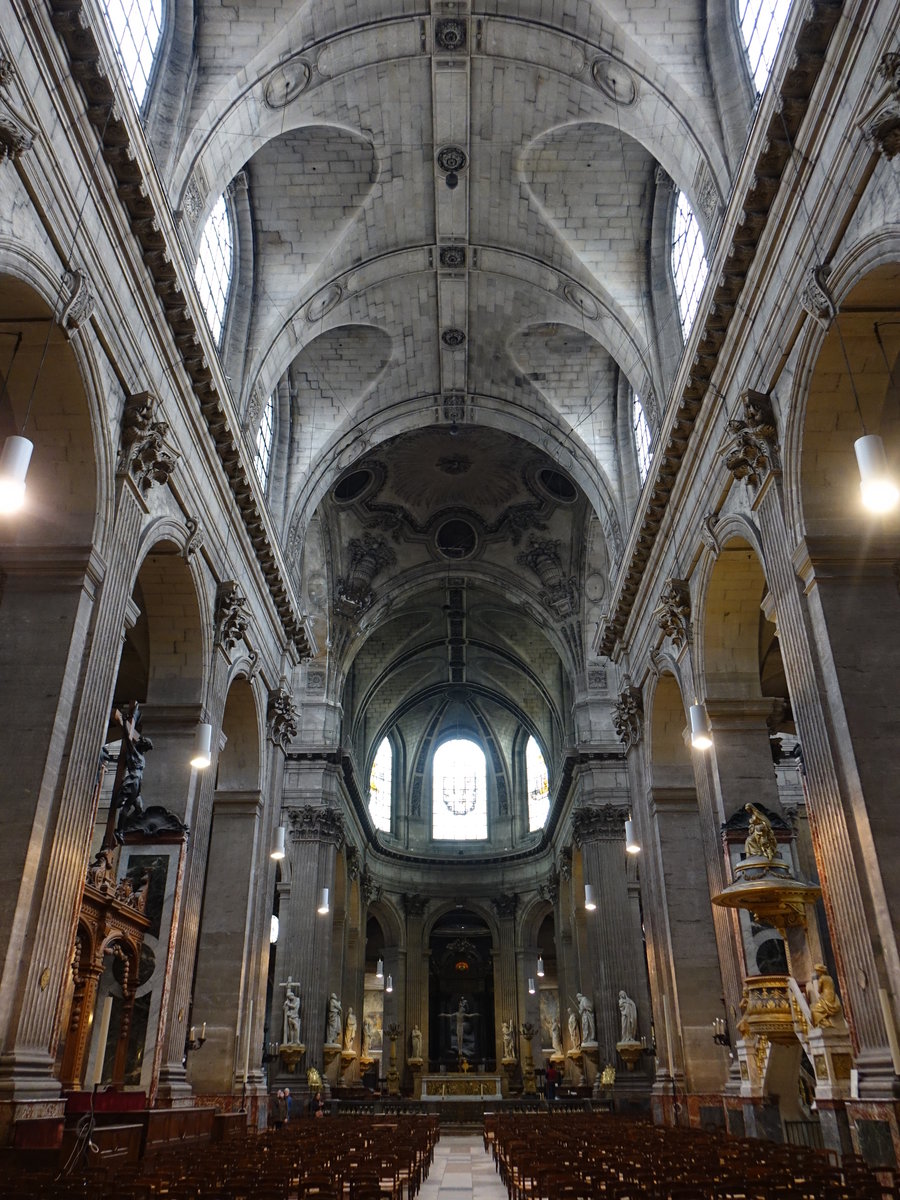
461, 1169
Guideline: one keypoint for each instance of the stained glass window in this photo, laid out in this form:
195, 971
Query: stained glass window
459, 798
135, 26
380, 787
262, 460
762, 23
538, 785
641, 431
688, 262
214, 266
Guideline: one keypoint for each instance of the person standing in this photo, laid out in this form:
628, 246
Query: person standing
278, 1109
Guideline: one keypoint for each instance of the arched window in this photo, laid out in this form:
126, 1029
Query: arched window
135, 26
762, 23
538, 786
641, 431
262, 460
688, 261
215, 263
459, 798
380, 787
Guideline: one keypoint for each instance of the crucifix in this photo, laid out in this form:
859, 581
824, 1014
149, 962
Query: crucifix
126, 793
291, 1030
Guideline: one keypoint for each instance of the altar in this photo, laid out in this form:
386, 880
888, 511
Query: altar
456, 1086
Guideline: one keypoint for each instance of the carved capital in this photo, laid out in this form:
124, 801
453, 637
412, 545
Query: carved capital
281, 718
231, 616
314, 824
673, 612
549, 891
413, 904
368, 555
816, 299
751, 449
882, 127
603, 823
369, 889
144, 452
80, 304
505, 905
628, 716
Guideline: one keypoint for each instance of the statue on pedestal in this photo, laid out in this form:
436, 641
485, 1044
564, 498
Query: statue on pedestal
761, 842
628, 1010
556, 1036
291, 1006
350, 1030
333, 1027
574, 1030
509, 1044
588, 1024
826, 1004
415, 1042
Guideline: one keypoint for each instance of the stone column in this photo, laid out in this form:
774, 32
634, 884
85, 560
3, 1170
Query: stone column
418, 958
814, 685
614, 937
506, 990
223, 952
305, 943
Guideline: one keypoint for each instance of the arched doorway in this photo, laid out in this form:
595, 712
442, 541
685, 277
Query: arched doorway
461, 992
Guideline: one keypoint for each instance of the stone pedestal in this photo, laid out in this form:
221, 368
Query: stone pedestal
291, 1055
629, 1052
415, 1065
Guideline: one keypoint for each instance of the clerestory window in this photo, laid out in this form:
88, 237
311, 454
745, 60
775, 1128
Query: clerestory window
215, 264
538, 786
136, 26
459, 797
262, 460
688, 261
641, 431
762, 23
380, 787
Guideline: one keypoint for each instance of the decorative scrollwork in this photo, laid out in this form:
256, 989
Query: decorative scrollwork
628, 716
282, 718
144, 452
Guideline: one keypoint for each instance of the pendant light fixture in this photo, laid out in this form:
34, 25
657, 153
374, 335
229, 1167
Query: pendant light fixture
631, 843
540, 967
379, 970
389, 984
202, 755
590, 903
876, 484
701, 734
278, 850
14, 459
531, 987
323, 908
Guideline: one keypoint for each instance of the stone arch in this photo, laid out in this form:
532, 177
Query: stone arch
729, 619
239, 764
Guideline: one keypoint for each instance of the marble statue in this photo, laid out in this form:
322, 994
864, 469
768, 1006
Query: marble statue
760, 841
556, 1036
368, 1032
291, 1006
509, 1045
588, 1024
415, 1041
350, 1030
574, 1030
333, 1028
628, 1009
826, 1004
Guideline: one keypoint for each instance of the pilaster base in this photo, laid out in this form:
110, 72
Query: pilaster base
32, 1124
174, 1091
875, 1129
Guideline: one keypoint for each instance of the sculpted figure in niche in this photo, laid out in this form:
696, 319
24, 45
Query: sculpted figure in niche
588, 1024
415, 1040
826, 1005
509, 1047
291, 1006
556, 1036
350, 1030
333, 1028
628, 1011
760, 841
574, 1030
367, 1034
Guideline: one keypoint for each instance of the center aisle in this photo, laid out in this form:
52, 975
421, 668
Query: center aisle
461, 1169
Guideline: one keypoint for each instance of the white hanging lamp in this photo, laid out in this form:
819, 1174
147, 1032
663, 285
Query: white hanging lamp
379, 970
632, 845
324, 906
876, 484
202, 755
531, 987
389, 984
701, 734
589, 902
540, 967
278, 850
14, 459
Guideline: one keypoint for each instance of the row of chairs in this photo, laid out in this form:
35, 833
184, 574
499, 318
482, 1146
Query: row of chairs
599, 1157
356, 1158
